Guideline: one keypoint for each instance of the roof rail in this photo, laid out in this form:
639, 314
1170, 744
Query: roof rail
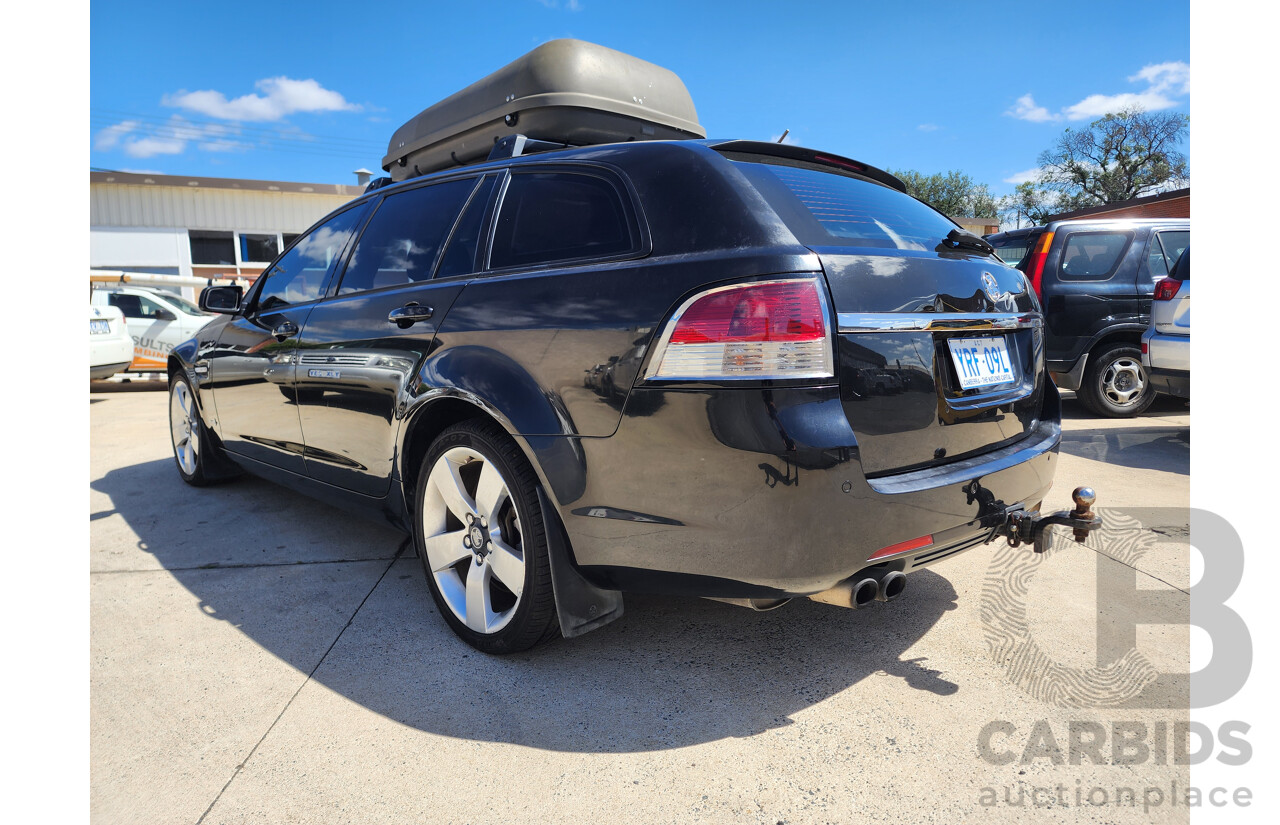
514, 146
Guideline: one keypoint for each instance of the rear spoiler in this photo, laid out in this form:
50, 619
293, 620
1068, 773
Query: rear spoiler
809, 156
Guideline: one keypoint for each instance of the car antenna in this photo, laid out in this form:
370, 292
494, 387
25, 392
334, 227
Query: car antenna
784, 134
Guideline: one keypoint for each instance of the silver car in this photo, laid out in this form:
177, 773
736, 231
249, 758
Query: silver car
1166, 345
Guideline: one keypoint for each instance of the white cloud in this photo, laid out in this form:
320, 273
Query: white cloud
1095, 106
1165, 83
142, 140
147, 147
282, 96
1166, 77
111, 136
1025, 108
928, 127
1024, 176
568, 5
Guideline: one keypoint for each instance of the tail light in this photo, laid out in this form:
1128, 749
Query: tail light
766, 329
1166, 288
1035, 262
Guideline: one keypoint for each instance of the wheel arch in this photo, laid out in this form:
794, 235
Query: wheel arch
556, 460
1121, 334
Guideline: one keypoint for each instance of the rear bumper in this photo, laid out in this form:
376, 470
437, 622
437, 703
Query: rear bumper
1171, 382
1166, 352
107, 370
760, 493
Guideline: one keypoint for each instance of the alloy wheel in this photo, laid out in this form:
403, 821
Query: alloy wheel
1123, 381
472, 541
184, 426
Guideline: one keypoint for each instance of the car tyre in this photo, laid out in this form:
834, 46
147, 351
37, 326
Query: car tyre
480, 536
1116, 384
193, 448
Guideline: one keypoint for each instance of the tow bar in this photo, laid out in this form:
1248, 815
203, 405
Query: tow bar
1021, 526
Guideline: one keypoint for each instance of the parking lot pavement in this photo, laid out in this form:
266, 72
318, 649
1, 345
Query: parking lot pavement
257, 656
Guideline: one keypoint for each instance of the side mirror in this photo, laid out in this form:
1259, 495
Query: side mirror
164, 315
224, 300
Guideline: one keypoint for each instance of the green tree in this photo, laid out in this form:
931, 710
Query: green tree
953, 193
1030, 203
1120, 156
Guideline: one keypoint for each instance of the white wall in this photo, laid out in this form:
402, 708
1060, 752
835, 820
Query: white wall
116, 247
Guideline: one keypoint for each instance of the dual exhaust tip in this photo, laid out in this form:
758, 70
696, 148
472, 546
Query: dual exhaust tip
859, 591
863, 589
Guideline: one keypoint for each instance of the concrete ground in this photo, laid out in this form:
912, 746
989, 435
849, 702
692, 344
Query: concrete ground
260, 657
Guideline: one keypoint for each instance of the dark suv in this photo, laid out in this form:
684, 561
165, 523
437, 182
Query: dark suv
1095, 279
739, 370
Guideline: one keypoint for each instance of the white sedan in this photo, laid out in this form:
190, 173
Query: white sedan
157, 320
110, 344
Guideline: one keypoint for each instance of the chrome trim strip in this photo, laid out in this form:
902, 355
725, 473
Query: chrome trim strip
852, 322
1043, 439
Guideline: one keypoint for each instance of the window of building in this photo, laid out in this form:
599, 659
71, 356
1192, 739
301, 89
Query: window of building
559, 216
215, 248
258, 248
400, 244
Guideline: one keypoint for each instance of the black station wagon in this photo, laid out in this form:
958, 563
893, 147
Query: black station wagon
730, 369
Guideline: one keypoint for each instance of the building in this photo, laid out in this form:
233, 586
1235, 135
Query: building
979, 226
200, 227
1175, 203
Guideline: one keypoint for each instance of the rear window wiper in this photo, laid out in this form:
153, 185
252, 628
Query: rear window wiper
960, 239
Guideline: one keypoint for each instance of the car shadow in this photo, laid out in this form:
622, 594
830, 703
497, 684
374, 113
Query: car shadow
671, 672
1149, 447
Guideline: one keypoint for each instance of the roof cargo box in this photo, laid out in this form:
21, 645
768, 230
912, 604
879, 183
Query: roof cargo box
565, 91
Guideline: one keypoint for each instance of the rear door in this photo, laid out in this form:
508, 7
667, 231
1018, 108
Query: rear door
363, 344
940, 348
1090, 285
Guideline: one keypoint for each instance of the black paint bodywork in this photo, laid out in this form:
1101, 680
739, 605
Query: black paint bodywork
732, 489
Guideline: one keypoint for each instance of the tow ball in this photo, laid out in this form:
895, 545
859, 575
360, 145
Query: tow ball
1024, 527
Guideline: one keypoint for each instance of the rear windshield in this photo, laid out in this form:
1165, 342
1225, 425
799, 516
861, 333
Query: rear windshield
1012, 250
831, 209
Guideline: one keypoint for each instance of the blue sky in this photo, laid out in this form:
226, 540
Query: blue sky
252, 90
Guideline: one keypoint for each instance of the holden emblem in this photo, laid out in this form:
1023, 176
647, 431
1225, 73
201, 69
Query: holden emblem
990, 286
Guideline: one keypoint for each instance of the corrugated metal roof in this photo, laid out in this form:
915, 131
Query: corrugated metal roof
133, 200
243, 184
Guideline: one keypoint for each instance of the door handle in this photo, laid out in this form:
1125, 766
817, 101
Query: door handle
285, 329
409, 314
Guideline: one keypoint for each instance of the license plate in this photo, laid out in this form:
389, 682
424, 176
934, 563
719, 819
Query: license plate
981, 362
99, 327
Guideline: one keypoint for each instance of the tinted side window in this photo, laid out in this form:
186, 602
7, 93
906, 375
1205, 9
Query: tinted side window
559, 216
133, 306
460, 256
300, 274
1092, 256
400, 244
1173, 243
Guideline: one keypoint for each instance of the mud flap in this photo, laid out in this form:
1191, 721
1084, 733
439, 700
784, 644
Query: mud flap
580, 606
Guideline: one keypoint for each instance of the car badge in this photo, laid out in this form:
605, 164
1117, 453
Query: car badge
990, 286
